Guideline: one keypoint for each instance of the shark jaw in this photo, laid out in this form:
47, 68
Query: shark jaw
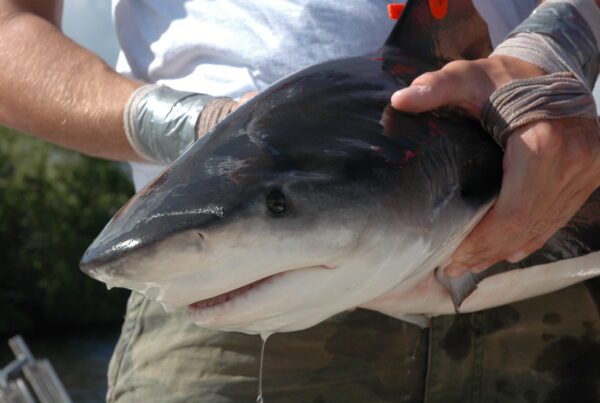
287, 301
261, 301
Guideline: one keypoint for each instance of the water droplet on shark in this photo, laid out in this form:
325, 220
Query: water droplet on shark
264, 337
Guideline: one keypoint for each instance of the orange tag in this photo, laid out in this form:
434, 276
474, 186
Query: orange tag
438, 8
395, 10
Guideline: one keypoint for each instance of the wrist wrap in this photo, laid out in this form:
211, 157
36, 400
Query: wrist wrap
553, 96
160, 122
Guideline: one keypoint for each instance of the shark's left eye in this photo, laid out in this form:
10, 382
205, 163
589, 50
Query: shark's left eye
276, 202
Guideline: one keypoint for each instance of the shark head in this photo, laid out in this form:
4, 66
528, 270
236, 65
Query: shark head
312, 198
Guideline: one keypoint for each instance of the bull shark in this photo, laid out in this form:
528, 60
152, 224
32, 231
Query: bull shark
316, 196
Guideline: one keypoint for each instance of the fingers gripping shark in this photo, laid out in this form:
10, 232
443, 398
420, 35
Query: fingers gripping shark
316, 196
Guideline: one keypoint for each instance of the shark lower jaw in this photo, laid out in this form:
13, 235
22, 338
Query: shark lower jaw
258, 307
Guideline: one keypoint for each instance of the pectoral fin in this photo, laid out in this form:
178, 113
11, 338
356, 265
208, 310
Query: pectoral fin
459, 288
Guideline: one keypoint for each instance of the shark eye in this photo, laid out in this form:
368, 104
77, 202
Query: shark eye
276, 202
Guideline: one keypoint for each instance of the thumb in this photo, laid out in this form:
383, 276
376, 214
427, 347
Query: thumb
428, 91
454, 85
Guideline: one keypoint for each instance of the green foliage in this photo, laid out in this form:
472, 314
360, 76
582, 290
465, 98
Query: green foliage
53, 202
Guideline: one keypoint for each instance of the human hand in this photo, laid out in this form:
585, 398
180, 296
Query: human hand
245, 98
216, 110
550, 167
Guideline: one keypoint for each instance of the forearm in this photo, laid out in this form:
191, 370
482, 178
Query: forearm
56, 90
559, 36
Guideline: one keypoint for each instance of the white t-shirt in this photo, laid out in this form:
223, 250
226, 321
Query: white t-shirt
231, 47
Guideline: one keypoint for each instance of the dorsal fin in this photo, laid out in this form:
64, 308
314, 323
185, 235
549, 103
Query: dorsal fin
460, 33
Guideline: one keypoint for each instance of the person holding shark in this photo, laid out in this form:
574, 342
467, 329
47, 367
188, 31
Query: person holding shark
80, 103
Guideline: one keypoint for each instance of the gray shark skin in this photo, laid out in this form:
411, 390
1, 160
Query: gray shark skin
316, 196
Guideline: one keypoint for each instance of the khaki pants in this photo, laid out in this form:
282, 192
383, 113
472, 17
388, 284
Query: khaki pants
545, 349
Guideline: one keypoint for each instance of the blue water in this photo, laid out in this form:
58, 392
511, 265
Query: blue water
80, 359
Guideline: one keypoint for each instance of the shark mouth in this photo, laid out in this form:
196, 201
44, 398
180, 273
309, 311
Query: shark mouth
229, 295
222, 299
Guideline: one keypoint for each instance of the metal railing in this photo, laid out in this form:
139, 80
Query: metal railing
29, 380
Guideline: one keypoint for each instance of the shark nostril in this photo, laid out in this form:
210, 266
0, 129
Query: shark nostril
201, 236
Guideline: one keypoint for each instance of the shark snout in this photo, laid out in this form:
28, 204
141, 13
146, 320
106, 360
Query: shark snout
145, 261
